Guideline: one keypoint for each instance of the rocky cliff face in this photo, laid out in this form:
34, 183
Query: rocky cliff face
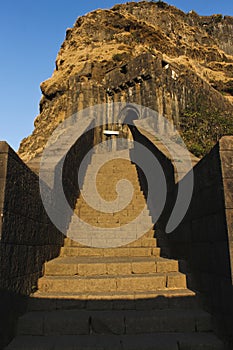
140, 46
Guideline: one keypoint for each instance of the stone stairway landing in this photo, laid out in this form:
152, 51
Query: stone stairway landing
125, 298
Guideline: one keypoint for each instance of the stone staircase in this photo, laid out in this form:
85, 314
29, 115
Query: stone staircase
125, 297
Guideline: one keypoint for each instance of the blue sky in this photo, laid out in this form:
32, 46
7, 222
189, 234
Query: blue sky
31, 33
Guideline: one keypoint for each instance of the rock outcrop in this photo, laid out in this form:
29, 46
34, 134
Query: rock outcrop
192, 57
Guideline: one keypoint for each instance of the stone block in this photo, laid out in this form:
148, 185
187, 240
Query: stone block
31, 324
194, 341
3, 165
176, 281
98, 303
4, 147
54, 285
150, 342
229, 221
119, 268
228, 193
100, 284
66, 322
164, 321
61, 269
114, 252
144, 267
227, 164
167, 265
107, 322
226, 143
135, 283
92, 269
203, 321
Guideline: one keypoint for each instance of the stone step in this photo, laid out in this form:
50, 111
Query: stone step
98, 211
139, 226
116, 171
158, 341
114, 216
115, 161
133, 206
87, 191
162, 299
86, 266
111, 252
104, 165
96, 205
104, 188
110, 165
148, 234
77, 322
101, 240
130, 210
102, 220
116, 175
112, 283
114, 179
144, 242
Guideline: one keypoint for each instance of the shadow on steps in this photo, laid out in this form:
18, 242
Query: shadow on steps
174, 322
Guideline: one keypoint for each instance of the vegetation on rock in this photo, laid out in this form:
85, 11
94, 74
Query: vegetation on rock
201, 129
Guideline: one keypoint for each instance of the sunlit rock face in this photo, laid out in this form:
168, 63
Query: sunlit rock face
148, 53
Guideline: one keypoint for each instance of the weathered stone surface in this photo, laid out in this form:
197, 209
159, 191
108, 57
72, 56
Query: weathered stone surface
148, 267
176, 280
155, 55
132, 53
114, 268
4, 147
227, 163
27, 238
89, 269
226, 143
160, 341
204, 237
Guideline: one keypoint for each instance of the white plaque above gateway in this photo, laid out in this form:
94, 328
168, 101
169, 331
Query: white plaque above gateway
111, 132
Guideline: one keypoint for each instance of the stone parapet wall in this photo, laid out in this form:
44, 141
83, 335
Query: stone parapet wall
205, 236
226, 151
28, 238
27, 232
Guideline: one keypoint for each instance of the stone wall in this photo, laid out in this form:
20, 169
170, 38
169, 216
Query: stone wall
28, 238
149, 81
226, 151
166, 88
205, 236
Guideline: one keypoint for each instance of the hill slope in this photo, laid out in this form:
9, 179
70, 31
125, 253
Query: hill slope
106, 39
